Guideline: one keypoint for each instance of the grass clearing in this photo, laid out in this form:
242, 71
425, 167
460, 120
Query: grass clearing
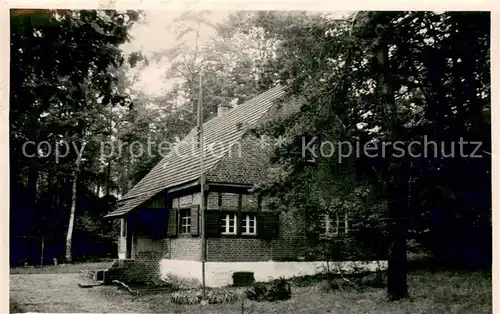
431, 292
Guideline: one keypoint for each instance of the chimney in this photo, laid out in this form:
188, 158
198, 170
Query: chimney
222, 109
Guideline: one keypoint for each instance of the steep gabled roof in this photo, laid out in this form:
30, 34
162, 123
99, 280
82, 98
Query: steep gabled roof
182, 163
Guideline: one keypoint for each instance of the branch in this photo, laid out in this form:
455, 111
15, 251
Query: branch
134, 292
353, 23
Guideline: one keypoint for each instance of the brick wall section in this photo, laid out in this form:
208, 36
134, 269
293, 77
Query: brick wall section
182, 248
249, 202
287, 247
253, 250
143, 269
237, 250
291, 239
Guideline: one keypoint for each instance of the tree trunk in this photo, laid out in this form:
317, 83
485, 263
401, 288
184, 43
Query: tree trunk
396, 192
397, 287
69, 235
108, 178
32, 191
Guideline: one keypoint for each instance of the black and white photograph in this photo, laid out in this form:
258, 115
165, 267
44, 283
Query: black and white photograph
249, 161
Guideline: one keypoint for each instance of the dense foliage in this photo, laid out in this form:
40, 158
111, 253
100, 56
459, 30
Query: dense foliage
388, 77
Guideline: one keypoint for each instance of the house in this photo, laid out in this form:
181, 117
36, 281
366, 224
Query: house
161, 218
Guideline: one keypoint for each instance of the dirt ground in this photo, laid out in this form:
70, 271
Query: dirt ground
56, 293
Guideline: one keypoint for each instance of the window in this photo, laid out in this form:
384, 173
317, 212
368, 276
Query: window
333, 225
342, 224
249, 225
229, 223
185, 221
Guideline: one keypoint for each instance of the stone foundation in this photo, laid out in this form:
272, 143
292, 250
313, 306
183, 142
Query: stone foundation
219, 274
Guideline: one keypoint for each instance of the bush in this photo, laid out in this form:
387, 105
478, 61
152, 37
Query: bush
213, 296
216, 296
257, 292
188, 297
279, 289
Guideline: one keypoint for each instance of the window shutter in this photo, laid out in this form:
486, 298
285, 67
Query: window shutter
213, 223
239, 222
268, 225
172, 222
195, 219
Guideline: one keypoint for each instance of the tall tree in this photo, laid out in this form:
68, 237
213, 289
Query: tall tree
389, 77
60, 97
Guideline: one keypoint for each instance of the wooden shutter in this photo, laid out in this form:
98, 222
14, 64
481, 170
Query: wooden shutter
195, 219
172, 222
239, 221
268, 225
213, 223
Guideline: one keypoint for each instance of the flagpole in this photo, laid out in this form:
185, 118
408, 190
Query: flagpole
202, 186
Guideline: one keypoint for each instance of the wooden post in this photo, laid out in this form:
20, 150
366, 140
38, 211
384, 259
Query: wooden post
202, 187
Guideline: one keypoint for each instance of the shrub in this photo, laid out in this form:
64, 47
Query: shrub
219, 295
188, 297
213, 296
279, 289
257, 292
